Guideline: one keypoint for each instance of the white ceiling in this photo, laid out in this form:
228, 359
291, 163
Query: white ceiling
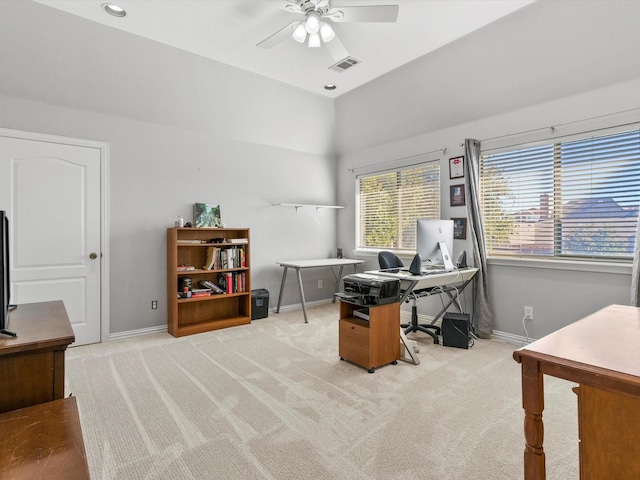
229, 30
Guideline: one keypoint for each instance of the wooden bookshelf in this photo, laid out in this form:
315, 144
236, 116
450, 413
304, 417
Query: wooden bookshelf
190, 246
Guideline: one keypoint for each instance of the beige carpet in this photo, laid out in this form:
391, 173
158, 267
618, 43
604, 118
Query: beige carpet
272, 400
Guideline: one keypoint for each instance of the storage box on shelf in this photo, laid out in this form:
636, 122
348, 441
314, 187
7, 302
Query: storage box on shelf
189, 256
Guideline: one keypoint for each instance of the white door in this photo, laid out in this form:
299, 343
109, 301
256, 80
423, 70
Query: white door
51, 192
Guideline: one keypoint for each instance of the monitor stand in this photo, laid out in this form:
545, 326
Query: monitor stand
446, 257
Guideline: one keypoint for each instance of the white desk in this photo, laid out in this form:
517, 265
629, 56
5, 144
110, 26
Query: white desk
449, 283
321, 263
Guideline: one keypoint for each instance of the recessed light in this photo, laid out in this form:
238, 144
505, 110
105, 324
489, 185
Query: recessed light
113, 9
330, 86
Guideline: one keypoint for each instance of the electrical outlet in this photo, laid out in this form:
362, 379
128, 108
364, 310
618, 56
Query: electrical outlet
319, 284
154, 304
528, 313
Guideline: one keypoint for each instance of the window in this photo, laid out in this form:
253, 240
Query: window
577, 199
389, 203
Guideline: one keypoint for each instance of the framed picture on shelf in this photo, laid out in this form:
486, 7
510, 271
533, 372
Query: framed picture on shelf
456, 167
456, 193
459, 228
206, 216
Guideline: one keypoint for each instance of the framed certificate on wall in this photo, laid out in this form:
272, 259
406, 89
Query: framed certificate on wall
456, 167
457, 195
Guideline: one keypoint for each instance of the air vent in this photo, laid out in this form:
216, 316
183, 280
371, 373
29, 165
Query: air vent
344, 64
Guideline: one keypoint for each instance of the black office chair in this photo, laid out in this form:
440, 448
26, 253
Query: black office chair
390, 262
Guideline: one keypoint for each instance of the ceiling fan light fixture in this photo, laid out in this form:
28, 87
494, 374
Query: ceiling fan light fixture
313, 23
300, 33
314, 40
326, 32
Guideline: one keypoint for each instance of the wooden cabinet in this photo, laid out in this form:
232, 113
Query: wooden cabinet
599, 352
32, 365
187, 316
43, 441
370, 343
609, 446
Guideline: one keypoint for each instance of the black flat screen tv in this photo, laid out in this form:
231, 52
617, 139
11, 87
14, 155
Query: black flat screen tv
5, 281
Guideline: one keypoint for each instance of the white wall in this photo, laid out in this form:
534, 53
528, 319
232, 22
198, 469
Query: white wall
181, 129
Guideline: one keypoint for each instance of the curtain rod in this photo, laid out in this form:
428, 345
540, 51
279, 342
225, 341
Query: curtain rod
553, 127
388, 162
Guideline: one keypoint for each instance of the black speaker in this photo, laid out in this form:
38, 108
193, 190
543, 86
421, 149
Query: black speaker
461, 262
416, 265
455, 330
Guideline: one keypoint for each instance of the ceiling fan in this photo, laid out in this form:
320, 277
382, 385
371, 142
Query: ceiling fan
315, 28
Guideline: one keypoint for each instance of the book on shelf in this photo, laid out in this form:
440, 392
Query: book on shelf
189, 241
211, 286
238, 240
232, 282
211, 261
186, 268
208, 293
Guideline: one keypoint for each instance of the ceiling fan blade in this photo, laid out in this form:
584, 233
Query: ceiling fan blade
365, 13
293, 8
336, 49
279, 36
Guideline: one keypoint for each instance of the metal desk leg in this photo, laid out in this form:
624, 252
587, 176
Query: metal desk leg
452, 298
337, 283
409, 349
284, 277
304, 308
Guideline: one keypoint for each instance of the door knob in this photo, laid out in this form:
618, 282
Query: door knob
93, 255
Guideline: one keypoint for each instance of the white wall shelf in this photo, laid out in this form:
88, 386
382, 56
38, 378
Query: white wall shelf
302, 205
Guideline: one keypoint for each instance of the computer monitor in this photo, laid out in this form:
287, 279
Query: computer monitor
434, 242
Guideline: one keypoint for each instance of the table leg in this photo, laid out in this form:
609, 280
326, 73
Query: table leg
338, 283
284, 277
533, 404
304, 308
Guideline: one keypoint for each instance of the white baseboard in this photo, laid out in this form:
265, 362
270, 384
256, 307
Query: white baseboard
298, 306
518, 340
163, 328
137, 333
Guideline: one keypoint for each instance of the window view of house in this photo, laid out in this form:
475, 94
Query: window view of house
572, 199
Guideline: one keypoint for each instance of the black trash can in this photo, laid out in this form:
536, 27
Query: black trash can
259, 303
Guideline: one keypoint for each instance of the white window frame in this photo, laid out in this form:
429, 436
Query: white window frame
434, 210
619, 265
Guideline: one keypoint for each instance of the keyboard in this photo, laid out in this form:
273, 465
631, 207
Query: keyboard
431, 271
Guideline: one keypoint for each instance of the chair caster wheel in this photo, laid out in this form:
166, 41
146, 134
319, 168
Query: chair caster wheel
395, 362
342, 359
371, 370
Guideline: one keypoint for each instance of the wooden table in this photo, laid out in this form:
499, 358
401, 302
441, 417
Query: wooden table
601, 352
304, 264
32, 365
43, 442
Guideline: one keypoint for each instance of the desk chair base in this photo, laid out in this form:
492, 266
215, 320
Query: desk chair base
414, 326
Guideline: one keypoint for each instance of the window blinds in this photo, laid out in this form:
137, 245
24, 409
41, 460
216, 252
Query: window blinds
577, 198
389, 203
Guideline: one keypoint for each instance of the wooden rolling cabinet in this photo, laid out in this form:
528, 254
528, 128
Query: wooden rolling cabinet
187, 316
32, 365
370, 343
609, 446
